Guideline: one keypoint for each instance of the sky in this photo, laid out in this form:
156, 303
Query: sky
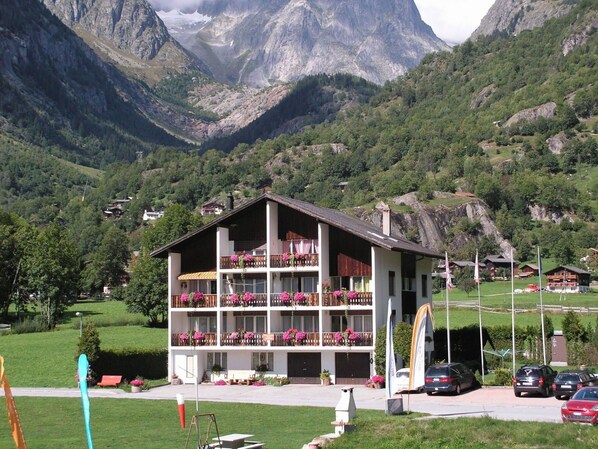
452, 20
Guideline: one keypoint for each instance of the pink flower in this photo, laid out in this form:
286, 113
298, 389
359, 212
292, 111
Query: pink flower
248, 297
184, 336
352, 295
137, 382
285, 297
197, 296
378, 379
353, 336
299, 297
300, 336
234, 335
234, 258
185, 297
337, 294
338, 336
199, 335
234, 298
220, 382
286, 257
248, 335
247, 258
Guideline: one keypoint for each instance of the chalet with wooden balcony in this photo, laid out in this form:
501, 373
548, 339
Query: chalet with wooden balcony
284, 284
568, 279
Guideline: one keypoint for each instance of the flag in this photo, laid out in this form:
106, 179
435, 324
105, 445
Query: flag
476, 270
417, 360
449, 282
83, 369
13, 416
391, 368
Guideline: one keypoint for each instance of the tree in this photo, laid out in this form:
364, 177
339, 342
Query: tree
402, 335
10, 258
573, 330
89, 342
147, 292
108, 264
52, 272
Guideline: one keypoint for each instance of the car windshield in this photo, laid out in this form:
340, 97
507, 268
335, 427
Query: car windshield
568, 378
587, 395
435, 371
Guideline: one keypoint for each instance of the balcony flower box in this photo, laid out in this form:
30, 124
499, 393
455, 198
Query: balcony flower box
285, 298
185, 298
299, 298
199, 337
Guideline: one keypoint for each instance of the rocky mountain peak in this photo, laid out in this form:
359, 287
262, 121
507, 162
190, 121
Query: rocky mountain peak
514, 16
263, 41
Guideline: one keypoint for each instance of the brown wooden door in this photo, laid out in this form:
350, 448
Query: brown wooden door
352, 368
304, 367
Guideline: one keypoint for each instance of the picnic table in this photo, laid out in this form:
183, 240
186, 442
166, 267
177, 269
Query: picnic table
237, 441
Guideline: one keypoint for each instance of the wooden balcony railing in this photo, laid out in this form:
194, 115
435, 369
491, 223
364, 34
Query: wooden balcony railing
239, 339
311, 299
365, 339
256, 262
363, 299
238, 300
294, 260
311, 339
207, 301
209, 339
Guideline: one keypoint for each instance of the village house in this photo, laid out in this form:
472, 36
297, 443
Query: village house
212, 208
499, 266
288, 288
528, 270
568, 279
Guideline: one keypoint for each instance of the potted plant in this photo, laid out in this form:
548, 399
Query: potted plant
175, 380
136, 385
325, 377
216, 371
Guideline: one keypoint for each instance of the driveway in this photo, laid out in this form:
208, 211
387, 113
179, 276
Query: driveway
496, 402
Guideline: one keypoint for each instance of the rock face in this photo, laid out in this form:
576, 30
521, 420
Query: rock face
546, 110
433, 223
266, 41
514, 16
128, 32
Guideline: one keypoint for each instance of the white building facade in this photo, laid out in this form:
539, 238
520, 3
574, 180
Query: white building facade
289, 288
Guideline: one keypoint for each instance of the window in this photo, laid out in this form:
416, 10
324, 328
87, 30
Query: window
259, 359
307, 284
257, 285
359, 323
203, 323
360, 283
391, 283
251, 323
217, 358
424, 285
305, 323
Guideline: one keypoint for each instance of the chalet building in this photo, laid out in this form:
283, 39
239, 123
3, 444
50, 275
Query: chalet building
500, 266
528, 270
568, 279
289, 287
152, 215
459, 265
212, 208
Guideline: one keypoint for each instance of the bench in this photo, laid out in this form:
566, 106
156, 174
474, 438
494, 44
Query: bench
240, 376
110, 381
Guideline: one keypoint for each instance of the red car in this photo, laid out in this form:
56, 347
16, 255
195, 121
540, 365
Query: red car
582, 407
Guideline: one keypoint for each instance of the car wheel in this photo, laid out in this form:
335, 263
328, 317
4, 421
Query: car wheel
458, 389
429, 393
518, 394
557, 396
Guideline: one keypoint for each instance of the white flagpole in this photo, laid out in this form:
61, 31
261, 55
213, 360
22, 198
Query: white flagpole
476, 278
541, 305
448, 286
513, 308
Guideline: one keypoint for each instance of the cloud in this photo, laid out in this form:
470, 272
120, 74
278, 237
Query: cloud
183, 5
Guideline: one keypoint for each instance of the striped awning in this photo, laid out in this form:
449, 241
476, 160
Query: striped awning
198, 276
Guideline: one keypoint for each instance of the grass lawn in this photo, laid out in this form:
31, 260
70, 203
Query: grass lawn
57, 423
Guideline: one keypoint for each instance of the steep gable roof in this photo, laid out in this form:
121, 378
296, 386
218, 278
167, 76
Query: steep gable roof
332, 217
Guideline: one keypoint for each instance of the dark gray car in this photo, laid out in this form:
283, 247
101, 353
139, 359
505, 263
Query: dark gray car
536, 379
566, 383
449, 378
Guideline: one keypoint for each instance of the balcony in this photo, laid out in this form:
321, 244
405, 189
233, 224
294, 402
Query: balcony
242, 262
365, 339
362, 299
242, 339
209, 340
311, 299
311, 339
208, 301
241, 300
287, 260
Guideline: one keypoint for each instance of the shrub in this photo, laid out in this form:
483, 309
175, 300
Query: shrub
503, 376
29, 326
89, 342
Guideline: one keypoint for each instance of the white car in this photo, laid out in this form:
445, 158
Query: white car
402, 381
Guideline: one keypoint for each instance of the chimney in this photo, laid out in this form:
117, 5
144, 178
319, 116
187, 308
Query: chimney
385, 219
230, 202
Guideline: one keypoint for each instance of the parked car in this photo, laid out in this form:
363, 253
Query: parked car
566, 383
536, 379
449, 378
402, 381
582, 407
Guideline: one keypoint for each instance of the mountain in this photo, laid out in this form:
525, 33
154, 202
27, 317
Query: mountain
269, 41
127, 33
514, 16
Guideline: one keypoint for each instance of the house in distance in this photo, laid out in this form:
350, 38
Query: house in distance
288, 288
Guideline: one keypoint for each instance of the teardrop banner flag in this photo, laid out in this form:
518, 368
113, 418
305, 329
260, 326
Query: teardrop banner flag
417, 361
83, 369
13, 416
